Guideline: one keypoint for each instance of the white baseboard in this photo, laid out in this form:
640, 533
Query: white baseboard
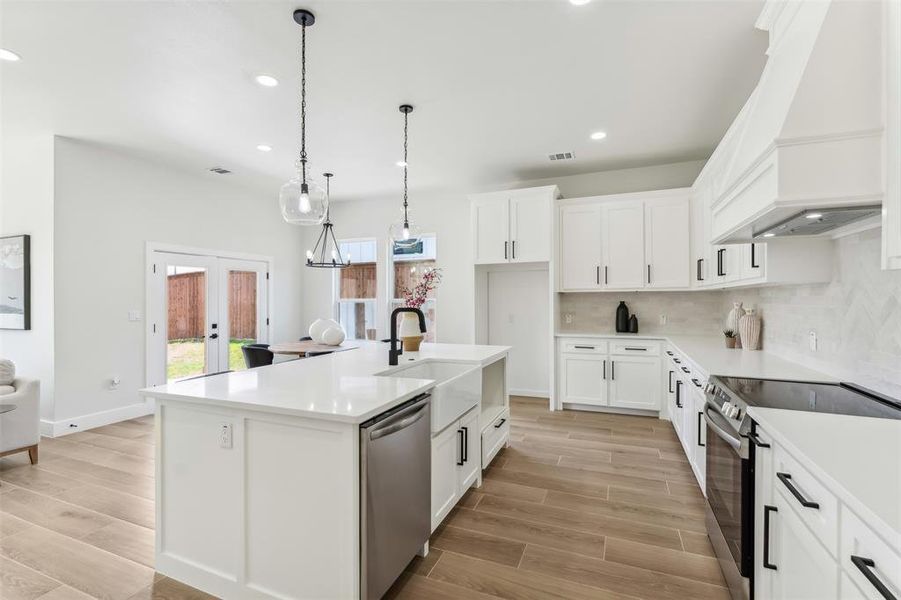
529, 393
97, 419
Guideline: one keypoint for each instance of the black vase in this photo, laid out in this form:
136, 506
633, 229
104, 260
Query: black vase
633, 324
622, 317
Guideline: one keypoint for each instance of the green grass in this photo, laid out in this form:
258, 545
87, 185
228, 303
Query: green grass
185, 357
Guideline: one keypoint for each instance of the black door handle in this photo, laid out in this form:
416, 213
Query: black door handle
679, 393
766, 537
612, 370
514, 249
605, 274
214, 336
604, 376
597, 275
754, 264
460, 462
700, 276
649, 273
636, 349
785, 478
671, 390
700, 417
866, 566
505, 250
465, 444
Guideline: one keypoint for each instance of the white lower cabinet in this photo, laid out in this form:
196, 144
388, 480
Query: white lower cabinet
685, 403
635, 382
583, 379
456, 460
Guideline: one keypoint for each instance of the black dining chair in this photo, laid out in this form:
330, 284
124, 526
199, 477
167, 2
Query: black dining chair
305, 338
256, 356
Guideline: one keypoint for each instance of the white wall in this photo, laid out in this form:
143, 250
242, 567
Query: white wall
447, 215
107, 206
26, 207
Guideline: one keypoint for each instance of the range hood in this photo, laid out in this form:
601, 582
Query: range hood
809, 140
814, 221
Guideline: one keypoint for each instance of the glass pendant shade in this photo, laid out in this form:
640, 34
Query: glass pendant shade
404, 233
303, 204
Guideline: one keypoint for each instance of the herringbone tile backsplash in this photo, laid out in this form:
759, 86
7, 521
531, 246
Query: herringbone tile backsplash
857, 316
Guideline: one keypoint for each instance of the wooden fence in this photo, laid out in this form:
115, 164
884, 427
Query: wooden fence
187, 307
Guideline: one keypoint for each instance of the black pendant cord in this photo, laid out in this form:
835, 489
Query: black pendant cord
406, 219
303, 100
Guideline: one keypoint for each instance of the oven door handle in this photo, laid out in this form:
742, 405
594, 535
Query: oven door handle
712, 417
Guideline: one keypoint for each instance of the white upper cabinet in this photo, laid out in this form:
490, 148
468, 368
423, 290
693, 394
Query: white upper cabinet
580, 247
623, 245
667, 240
513, 226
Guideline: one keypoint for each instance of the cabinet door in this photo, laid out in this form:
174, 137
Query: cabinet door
446, 447
584, 379
580, 247
490, 230
698, 455
753, 261
623, 245
804, 569
670, 378
667, 239
530, 227
472, 458
635, 382
728, 263
764, 476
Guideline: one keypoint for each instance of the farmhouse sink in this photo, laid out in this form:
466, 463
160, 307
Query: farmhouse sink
458, 388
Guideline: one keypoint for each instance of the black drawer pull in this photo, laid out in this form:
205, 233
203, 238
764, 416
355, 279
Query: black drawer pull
677, 361
500, 423
785, 478
766, 537
679, 393
700, 427
669, 353
686, 370
604, 376
584, 347
465, 444
636, 349
696, 382
462, 443
866, 567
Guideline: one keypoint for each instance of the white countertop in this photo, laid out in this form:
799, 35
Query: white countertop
710, 354
342, 386
859, 457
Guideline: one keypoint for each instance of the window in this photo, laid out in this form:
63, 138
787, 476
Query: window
356, 288
407, 266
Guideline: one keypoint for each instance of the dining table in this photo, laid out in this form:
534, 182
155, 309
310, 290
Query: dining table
309, 347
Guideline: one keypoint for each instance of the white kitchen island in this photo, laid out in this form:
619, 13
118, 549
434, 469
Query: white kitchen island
258, 471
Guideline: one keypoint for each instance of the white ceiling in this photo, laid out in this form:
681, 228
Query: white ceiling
496, 85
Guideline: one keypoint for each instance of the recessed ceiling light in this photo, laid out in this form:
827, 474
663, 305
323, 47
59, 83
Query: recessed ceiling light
598, 135
814, 216
769, 234
401, 163
579, 2
9, 55
264, 148
267, 80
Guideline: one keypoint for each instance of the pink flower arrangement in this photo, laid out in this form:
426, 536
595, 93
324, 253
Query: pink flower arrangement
416, 297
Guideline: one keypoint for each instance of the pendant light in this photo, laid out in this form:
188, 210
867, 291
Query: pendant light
320, 257
403, 233
303, 201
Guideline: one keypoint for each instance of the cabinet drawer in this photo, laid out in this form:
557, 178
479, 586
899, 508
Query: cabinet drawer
874, 554
636, 348
495, 436
583, 346
798, 486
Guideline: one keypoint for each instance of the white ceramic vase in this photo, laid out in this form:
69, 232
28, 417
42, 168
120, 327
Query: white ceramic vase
732, 321
749, 330
409, 332
333, 336
318, 328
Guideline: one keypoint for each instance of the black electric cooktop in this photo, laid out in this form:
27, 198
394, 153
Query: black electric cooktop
835, 398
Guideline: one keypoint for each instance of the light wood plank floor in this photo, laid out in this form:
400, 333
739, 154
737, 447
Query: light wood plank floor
581, 505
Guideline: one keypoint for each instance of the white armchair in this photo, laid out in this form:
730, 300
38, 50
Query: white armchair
20, 429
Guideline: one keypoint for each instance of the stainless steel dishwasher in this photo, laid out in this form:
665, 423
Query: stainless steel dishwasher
395, 493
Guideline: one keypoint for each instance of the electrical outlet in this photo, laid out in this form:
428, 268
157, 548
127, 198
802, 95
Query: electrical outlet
115, 382
663, 319
568, 318
134, 315
225, 436
812, 339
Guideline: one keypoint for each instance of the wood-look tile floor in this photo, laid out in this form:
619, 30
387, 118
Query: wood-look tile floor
581, 505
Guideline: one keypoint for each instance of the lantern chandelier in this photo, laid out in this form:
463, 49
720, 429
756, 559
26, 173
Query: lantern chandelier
320, 257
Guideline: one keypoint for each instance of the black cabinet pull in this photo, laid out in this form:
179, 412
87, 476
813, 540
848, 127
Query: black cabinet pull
700, 275
677, 361
752, 435
500, 423
696, 382
649, 273
700, 417
612, 370
505, 250
866, 566
679, 393
669, 353
584, 347
671, 390
514, 249
754, 264
685, 369
605, 274
597, 275
785, 478
766, 536
720, 262
636, 349
460, 434
465, 444
604, 376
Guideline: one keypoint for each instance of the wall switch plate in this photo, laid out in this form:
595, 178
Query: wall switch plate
812, 340
134, 315
225, 436
663, 319
568, 318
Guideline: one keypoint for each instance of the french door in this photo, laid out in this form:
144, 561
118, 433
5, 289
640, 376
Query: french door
202, 309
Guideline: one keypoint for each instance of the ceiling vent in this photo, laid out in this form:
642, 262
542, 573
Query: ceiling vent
562, 156
220, 171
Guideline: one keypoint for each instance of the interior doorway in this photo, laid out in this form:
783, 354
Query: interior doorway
201, 309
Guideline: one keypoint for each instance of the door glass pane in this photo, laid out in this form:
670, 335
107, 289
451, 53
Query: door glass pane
242, 315
186, 323
357, 288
